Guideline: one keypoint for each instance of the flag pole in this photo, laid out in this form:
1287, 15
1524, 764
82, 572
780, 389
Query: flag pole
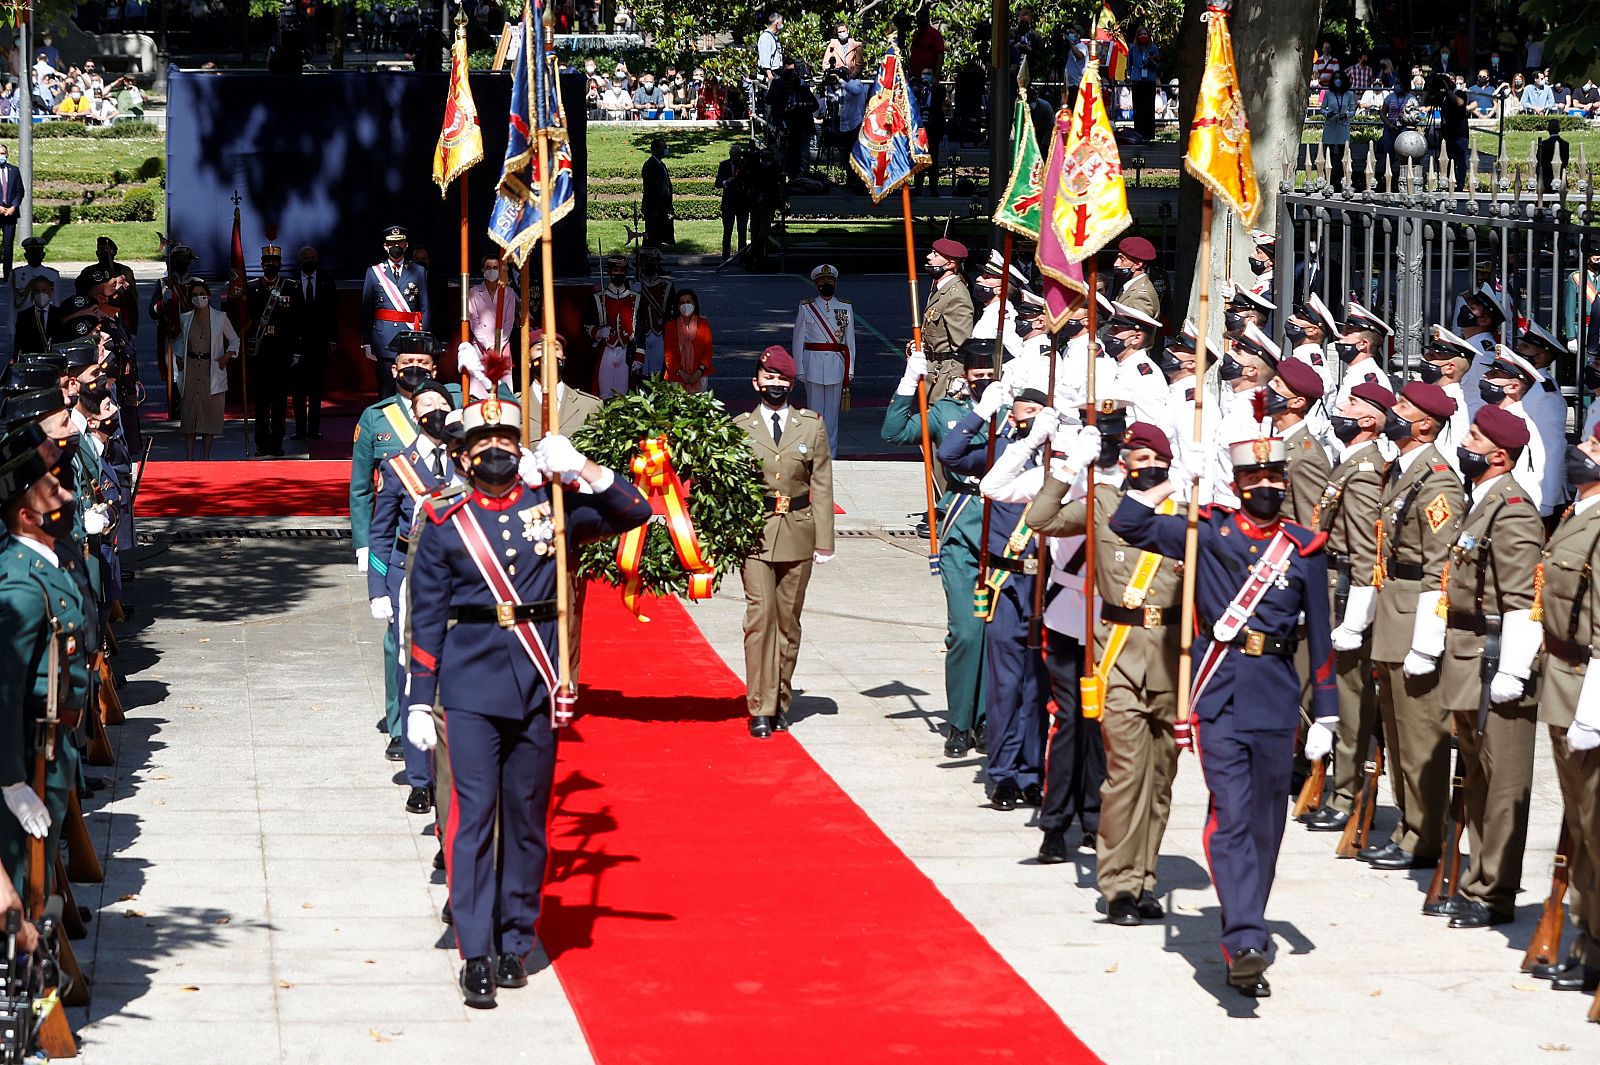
1036, 623
994, 421
1091, 277
1191, 536
466, 277
526, 356
922, 385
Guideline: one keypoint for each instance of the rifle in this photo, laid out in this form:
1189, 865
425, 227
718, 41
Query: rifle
44, 754
1359, 826
1546, 943
1447, 874
31, 988
1310, 797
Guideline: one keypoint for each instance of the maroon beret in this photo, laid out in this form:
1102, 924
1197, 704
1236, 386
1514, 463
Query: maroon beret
1138, 248
1431, 400
1143, 434
1301, 379
1503, 428
1373, 393
950, 248
778, 360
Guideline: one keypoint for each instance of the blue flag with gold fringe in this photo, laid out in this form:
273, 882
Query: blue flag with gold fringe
893, 145
516, 221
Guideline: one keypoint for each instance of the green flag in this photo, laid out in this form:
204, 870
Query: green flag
1019, 209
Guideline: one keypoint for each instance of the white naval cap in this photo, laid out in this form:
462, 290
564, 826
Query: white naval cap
824, 270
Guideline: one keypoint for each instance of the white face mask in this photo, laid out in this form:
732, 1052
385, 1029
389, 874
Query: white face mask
491, 273
686, 309
201, 301
41, 300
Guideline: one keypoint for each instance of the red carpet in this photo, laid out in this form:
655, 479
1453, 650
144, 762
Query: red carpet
718, 900
279, 488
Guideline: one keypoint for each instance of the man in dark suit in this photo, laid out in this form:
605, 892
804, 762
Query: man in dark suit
319, 339
36, 318
11, 193
657, 206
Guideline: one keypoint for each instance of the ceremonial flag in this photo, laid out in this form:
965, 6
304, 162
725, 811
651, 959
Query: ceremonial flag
1018, 210
1114, 54
892, 145
235, 304
1219, 136
515, 223
460, 139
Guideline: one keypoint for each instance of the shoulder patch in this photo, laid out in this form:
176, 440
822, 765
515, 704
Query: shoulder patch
1437, 512
1439, 467
1145, 369
1516, 499
1188, 395
439, 509
1316, 358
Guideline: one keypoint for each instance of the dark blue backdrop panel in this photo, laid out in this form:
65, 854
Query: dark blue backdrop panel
333, 158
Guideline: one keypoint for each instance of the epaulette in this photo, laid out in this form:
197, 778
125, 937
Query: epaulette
1439, 467
1307, 540
1188, 396
1519, 499
809, 302
439, 509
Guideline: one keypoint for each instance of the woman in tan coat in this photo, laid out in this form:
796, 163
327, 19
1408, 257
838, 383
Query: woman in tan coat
206, 344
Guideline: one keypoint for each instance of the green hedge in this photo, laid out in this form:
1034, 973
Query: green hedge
685, 209
152, 169
138, 203
1539, 123
118, 132
693, 186
706, 172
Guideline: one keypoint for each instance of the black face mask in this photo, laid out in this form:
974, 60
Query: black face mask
1397, 428
1259, 266
1072, 329
110, 425
1591, 377
826, 291
775, 396
1345, 428
987, 294
1491, 393
396, 252
1473, 465
1347, 351
1262, 503
1113, 426
308, 266
1432, 373
433, 424
495, 466
1023, 427
413, 378
1123, 274
1295, 333
1113, 344
1231, 369
1465, 318
58, 523
1148, 477
1581, 469
1277, 403
1232, 322
1167, 360
977, 387
269, 270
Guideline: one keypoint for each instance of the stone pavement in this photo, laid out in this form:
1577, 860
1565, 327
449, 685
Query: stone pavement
269, 900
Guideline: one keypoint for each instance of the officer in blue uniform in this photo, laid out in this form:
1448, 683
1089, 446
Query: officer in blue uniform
1017, 687
485, 562
404, 480
1247, 703
394, 300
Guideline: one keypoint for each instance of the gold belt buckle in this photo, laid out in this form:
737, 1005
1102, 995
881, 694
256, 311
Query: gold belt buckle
505, 615
1152, 617
1030, 567
1254, 642
780, 505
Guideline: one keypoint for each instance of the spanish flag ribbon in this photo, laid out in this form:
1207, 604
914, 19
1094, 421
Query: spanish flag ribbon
654, 476
1219, 136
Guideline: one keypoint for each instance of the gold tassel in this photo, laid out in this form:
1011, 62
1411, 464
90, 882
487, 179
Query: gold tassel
1377, 565
844, 400
1443, 609
1537, 613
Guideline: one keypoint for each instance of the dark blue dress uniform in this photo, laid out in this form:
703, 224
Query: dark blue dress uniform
496, 701
394, 300
404, 479
1247, 716
1017, 685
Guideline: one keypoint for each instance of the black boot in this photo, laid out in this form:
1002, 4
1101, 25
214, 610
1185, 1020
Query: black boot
477, 984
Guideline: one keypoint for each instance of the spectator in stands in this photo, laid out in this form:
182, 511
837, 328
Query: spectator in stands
47, 49
681, 97
8, 101
1393, 112
617, 102
76, 107
1510, 96
1587, 97
769, 50
844, 53
1482, 93
648, 99
1338, 108
1360, 74
104, 109
1144, 68
594, 86
927, 45
129, 97
1077, 59
1325, 65
1537, 99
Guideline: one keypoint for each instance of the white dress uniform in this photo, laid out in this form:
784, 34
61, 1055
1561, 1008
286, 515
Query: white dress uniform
1548, 411
1529, 470
824, 348
1453, 433
1327, 367
1486, 343
984, 327
1143, 380
1238, 423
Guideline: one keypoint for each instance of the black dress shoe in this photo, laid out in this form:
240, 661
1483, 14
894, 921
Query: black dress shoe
1551, 970
1247, 974
780, 722
477, 983
1053, 851
1327, 819
980, 738
1444, 907
1005, 796
510, 972
438, 860
1123, 911
1033, 795
1477, 915
297, 436
760, 728
446, 916
1377, 850
395, 752
1150, 908
1585, 978
419, 801
1401, 858
959, 743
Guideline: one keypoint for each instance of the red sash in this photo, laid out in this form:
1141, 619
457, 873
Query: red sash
494, 575
1244, 604
402, 312
838, 342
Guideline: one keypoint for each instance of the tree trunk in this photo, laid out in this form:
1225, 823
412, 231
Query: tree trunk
336, 52
1272, 44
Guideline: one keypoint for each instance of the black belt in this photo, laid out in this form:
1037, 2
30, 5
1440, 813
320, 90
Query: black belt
1025, 566
1406, 571
1571, 652
1477, 624
197, 355
779, 504
504, 614
962, 488
1255, 644
1148, 617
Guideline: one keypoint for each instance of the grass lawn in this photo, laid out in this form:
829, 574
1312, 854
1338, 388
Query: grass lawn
91, 161
94, 158
621, 150
705, 237
1519, 142
136, 241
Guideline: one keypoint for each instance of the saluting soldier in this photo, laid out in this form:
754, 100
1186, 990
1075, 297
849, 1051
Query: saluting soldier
792, 447
1126, 336
482, 641
1291, 396
1421, 509
1348, 513
1360, 346
1547, 409
947, 316
394, 300
1249, 361
824, 348
960, 533
1136, 657
1258, 575
1569, 704
1308, 330
1486, 661
1263, 253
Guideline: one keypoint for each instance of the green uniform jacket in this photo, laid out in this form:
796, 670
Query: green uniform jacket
1571, 604
385, 428
1430, 495
1349, 514
799, 463
575, 407
25, 579
1309, 472
960, 510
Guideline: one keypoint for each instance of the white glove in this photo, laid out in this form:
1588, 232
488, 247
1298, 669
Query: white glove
382, 608
1520, 640
1572, 345
1505, 688
603, 333
1358, 611
916, 370
420, 729
1345, 639
95, 521
366, 349
1084, 448
1427, 631
556, 455
1319, 741
1588, 712
27, 808
822, 558
361, 560
994, 397
1418, 664
529, 469
1044, 423
1581, 737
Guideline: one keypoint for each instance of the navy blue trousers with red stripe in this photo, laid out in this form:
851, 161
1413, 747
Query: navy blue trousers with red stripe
503, 766
1248, 776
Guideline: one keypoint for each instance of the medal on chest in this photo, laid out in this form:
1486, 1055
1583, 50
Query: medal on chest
537, 528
